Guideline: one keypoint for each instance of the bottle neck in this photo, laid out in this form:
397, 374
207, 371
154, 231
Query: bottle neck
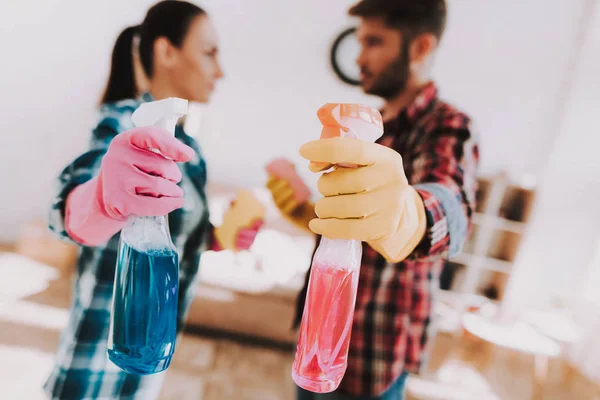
148, 234
344, 254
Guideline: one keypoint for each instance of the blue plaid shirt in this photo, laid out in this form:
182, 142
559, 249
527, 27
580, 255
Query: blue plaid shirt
82, 369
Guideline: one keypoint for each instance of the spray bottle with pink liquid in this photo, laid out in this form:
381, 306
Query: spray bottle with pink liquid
324, 337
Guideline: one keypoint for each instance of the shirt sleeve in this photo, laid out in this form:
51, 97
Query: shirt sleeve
79, 171
445, 178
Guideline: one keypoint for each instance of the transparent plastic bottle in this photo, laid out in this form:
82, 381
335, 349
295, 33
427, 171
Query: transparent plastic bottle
143, 324
324, 337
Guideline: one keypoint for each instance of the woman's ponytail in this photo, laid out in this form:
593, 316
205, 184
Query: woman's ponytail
121, 81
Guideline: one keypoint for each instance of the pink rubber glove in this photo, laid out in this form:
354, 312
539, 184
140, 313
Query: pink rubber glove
133, 181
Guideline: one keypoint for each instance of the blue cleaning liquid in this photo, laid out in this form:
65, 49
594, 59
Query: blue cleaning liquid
144, 319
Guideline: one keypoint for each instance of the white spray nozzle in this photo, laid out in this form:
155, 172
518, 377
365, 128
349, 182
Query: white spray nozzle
359, 121
162, 113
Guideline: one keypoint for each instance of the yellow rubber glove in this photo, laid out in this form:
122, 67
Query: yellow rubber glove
298, 214
245, 214
373, 203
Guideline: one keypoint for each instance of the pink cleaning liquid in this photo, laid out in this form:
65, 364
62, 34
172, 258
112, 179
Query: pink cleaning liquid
322, 350
324, 337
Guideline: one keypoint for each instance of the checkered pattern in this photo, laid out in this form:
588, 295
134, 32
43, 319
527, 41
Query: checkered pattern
82, 369
393, 306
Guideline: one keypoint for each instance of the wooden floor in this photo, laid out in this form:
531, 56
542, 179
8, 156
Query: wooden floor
220, 368
473, 369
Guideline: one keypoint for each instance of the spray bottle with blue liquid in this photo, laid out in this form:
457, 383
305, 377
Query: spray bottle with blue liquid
143, 325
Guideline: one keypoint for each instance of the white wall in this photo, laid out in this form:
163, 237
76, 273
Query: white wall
503, 62
506, 62
55, 57
564, 232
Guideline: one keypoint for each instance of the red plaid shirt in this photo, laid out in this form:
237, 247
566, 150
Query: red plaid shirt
394, 301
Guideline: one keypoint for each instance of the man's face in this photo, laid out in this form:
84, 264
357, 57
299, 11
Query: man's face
383, 60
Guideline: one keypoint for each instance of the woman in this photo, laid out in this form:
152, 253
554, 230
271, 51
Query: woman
118, 177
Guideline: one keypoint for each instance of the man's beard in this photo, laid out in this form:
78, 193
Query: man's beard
393, 79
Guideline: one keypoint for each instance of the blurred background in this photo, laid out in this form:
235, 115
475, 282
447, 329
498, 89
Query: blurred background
517, 310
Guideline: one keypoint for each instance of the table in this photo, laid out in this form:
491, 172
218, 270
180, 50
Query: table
519, 336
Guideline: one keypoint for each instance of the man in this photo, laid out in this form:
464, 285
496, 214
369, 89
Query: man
410, 202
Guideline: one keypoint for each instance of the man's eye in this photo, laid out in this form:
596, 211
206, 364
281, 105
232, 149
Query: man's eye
373, 42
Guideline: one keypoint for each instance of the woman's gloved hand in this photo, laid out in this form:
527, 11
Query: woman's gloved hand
373, 203
290, 194
241, 223
134, 180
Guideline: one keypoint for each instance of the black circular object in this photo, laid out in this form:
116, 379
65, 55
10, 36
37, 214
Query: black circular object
343, 55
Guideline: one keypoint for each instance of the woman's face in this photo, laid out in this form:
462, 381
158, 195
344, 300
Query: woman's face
196, 68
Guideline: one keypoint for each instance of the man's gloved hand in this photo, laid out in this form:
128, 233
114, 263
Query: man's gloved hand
373, 202
133, 180
241, 223
290, 194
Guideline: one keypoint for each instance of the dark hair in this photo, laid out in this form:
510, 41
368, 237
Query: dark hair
121, 80
412, 17
170, 19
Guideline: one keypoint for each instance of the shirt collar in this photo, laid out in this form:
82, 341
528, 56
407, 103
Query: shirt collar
416, 109
421, 103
